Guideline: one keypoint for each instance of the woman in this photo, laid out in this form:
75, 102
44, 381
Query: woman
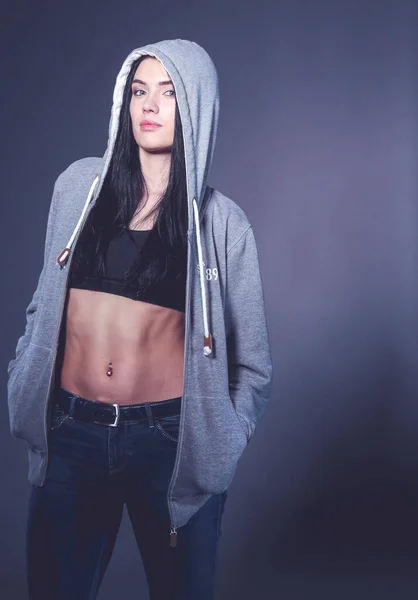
145, 363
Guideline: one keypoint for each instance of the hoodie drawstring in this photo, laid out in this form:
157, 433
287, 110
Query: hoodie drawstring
207, 340
64, 255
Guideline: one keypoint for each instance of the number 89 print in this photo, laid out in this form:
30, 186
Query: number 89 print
209, 273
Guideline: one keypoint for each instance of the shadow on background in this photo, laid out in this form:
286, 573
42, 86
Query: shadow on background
336, 512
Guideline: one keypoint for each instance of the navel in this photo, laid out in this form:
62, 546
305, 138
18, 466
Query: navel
109, 371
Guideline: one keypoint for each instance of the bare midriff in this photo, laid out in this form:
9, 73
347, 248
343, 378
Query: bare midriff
143, 341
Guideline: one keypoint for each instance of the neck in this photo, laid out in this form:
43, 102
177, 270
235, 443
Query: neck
155, 168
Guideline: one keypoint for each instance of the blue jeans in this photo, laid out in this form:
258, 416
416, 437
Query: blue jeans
74, 517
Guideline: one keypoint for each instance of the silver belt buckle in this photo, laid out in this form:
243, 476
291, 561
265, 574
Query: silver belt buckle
116, 421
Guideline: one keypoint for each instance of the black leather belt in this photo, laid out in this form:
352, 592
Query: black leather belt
112, 414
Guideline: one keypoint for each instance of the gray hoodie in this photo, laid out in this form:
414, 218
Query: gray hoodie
227, 362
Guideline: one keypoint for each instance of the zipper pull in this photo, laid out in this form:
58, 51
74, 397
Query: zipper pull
173, 538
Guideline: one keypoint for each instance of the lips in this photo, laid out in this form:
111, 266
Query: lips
149, 125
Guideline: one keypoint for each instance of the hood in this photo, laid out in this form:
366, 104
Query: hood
197, 92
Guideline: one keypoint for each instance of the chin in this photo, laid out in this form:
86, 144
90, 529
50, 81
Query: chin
156, 149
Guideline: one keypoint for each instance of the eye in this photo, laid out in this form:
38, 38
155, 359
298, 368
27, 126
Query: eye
135, 92
170, 92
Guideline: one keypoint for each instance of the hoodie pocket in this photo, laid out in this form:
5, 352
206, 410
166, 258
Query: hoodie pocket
27, 395
213, 442
241, 422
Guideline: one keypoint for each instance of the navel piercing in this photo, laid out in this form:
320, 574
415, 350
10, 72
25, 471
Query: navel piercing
109, 371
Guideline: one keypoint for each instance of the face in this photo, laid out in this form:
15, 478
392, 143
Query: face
152, 107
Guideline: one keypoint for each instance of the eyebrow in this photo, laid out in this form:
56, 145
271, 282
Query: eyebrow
168, 82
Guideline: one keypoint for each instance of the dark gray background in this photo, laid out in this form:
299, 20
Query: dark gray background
318, 143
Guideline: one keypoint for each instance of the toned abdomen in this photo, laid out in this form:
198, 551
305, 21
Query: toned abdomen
144, 343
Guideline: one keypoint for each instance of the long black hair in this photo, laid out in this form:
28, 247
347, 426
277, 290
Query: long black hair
118, 200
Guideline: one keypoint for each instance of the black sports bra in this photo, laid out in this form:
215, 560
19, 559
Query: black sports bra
122, 251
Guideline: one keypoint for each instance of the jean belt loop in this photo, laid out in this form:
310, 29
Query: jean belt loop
149, 415
73, 398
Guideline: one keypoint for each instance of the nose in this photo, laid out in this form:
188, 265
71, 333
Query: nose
150, 105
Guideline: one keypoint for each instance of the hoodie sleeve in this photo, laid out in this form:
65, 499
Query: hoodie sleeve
32, 307
249, 357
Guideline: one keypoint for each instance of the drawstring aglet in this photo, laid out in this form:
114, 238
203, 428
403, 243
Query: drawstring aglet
63, 257
173, 538
207, 345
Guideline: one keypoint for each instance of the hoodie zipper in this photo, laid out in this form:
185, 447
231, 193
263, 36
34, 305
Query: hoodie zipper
52, 376
173, 531
63, 298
